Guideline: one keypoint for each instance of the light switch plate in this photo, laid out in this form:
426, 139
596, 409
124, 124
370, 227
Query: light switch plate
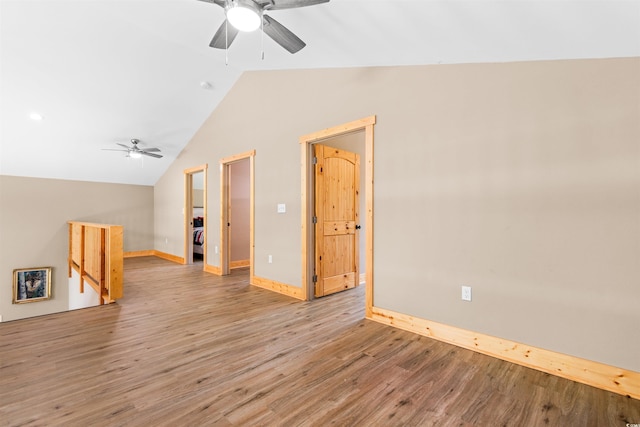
282, 208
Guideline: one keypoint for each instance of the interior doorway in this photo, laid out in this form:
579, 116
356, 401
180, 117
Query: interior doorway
365, 126
195, 214
236, 212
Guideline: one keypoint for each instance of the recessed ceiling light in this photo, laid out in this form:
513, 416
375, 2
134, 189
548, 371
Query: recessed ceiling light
36, 116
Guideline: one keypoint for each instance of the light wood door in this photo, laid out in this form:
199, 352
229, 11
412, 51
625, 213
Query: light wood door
337, 182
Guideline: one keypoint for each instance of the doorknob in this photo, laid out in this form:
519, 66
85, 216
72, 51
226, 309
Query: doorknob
358, 227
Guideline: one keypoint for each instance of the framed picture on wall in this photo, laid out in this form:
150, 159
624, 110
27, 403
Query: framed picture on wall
31, 284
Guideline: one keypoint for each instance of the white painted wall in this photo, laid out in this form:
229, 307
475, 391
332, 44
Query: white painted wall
77, 300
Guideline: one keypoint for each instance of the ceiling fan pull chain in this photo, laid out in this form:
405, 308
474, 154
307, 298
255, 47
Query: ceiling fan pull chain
262, 32
226, 42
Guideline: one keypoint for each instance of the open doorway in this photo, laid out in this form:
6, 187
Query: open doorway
236, 212
365, 127
195, 215
239, 209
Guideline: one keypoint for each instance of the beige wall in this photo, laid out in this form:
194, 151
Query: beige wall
521, 180
197, 198
33, 229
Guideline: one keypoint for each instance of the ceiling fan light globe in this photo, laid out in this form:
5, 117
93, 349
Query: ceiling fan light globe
134, 155
243, 16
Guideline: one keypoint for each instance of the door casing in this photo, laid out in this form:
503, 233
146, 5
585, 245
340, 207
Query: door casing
366, 124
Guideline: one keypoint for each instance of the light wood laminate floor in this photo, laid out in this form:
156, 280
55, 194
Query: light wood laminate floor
187, 348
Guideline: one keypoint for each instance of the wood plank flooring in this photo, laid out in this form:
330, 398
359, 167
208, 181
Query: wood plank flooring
187, 348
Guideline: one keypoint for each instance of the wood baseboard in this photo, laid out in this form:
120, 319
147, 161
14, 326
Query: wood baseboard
239, 264
595, 374
180, 260
169, 257
281, 288
213, 269
134, 254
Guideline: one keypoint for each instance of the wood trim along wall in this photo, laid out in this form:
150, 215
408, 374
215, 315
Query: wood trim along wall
239, 264
134, 254
224, 210
595, 374
188, 189
305, 141
169, 257
281, 288
213, 269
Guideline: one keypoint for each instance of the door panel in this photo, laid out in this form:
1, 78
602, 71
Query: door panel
337, 228
339, 283
338, 255
337, 175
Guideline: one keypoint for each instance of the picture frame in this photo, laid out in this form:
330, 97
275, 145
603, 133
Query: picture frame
31, 284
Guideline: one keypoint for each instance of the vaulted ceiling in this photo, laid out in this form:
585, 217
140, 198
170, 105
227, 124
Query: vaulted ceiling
102, 72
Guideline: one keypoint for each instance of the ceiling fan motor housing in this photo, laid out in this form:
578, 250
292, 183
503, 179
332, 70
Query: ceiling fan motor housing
244, 15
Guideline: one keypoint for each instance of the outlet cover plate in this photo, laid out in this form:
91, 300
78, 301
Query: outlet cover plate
466, 293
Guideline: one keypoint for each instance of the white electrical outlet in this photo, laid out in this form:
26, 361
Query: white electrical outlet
282, 208
270, 259
215, 249
466, 293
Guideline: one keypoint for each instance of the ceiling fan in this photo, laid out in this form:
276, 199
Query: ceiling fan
136, 152
249, 15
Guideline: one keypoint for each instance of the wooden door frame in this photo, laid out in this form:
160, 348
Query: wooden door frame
306, 141
225, 164
188, 208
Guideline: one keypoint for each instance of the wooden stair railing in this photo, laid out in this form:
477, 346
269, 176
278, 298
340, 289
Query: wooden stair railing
96, 253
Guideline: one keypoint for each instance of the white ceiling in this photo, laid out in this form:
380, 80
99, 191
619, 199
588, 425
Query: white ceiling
106, 71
